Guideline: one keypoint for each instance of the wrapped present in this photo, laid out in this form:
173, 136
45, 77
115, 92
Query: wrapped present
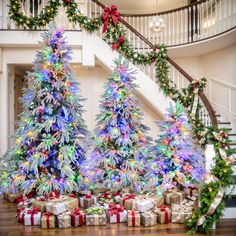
180, 212
48, 221
77, 217
40, 203
87, 200
99, 191
71, 202
25, 203
168, 194
175, 198
95, 216
64, 220
54, 194
25, 197
134, 218
163, 214
11, 197
148, 218
192, 191
56, 206
105, 197
116, 214
142, 204
125, 191
20, 214
127, 201
32, 217
116, 197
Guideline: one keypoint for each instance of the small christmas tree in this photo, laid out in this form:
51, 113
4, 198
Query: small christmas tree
177, 159
49, 143
119, 154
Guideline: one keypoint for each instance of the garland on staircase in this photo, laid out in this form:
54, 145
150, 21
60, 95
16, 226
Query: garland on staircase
211, 193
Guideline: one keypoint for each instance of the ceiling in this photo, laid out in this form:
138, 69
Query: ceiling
144, 6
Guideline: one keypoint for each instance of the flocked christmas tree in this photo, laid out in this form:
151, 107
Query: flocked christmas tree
49, 143
177, 158
120, 152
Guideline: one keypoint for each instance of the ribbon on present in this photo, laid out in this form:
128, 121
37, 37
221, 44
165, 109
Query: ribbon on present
47, 214
116, 194
20, 218
133, 217
72, 195
115, 210
88, 195
115, 16
224, 156
32, 212
26, 197
128, 197
41, 198
117, 44
75, 213
195, 101
191, 189
105, 195
164, 208
54, 194
94, 211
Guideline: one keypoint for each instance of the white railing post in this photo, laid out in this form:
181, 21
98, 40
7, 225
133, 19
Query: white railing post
4, 14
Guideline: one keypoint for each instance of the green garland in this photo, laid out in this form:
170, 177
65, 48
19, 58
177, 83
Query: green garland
205, 135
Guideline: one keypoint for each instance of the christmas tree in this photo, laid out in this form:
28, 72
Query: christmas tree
119, 152
50, 141
177, 158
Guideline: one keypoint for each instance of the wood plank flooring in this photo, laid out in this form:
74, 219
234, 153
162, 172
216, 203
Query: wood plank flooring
9, 227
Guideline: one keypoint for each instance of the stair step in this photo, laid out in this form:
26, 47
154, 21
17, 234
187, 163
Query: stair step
231, 134
232, 144
224, 123
218, 115
228, 129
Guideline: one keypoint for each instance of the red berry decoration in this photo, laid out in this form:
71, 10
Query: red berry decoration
67, 1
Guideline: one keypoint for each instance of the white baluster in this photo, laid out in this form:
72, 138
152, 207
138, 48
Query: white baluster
169, 24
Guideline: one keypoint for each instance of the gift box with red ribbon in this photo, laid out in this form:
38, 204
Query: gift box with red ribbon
23, 198
25, 203
116, 214
134, 218
20, 214
95, 216
32, 217
48, 220
127, 201
87, 201
192, 193
40, 203
105, 197
77, 217
11, 197
163, 214
174, 196
116, 197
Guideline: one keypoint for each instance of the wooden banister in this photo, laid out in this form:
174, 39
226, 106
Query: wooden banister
204, 99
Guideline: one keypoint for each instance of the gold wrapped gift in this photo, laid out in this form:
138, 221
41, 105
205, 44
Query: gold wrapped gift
148, 218
71, 203
177, 195
134, 218
11, 197
48, 221
163, 214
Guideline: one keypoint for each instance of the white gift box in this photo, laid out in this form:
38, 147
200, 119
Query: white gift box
82, 200
32, 219
118, 217
142, 205
55, 207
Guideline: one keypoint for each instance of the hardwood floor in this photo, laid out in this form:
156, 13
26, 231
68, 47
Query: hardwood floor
9, 227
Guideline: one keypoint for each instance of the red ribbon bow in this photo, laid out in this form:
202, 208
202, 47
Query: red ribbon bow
75, 213
133, 218
32, 213
116, 194
115, 210
163, 208
115, 16
119, 41
105, 195
191, 190
130, 196
47, 214
88, 196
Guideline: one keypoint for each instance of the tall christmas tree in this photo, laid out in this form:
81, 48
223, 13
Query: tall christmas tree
177, 158
49, 143
119, 153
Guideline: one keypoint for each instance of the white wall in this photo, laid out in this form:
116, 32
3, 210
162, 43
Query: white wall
219, 68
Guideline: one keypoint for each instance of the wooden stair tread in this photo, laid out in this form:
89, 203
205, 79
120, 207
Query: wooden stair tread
224, 123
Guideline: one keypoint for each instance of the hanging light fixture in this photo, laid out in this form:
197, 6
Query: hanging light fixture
156, 23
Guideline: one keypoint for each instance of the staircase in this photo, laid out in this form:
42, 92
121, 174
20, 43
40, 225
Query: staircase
148, 88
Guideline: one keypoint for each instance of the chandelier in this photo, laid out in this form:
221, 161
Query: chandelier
156, 23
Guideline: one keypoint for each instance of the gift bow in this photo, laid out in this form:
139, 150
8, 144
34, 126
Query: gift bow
130, 196
92, 211
47, 214
115, 16
88, 196
33, 211
105, 195
115, 209
191, 190
116, 194
76, 211
119, 41
42, 198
